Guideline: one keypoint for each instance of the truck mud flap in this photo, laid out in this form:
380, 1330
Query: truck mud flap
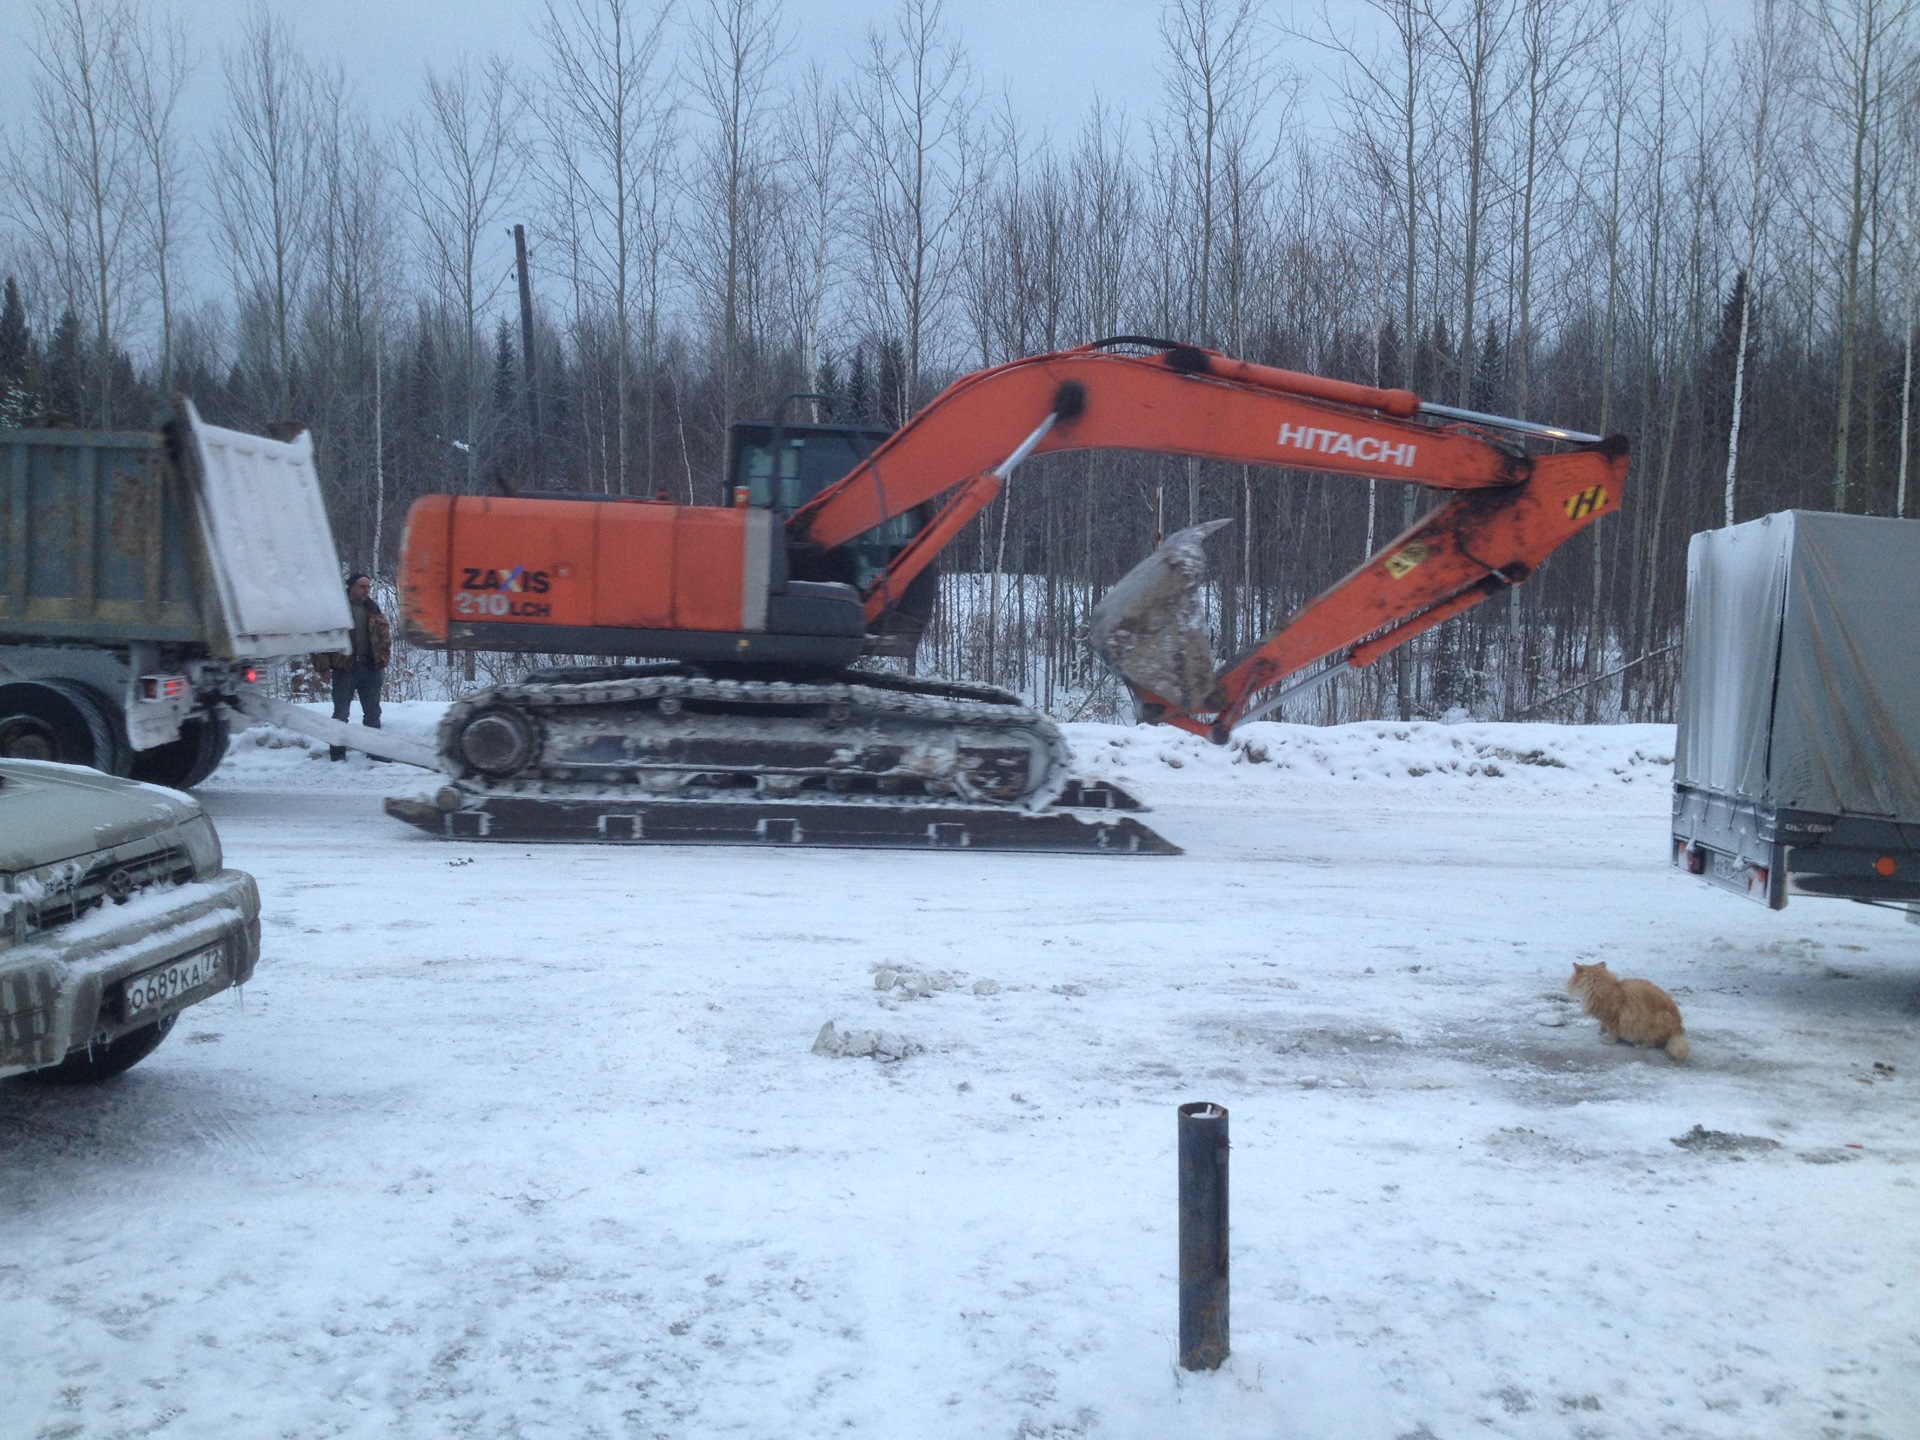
1093, 821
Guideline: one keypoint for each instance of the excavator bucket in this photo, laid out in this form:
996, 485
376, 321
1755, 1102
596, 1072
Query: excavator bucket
1151, 627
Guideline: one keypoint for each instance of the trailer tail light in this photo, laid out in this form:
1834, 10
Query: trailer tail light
162, 687
1696, 860
1885, 866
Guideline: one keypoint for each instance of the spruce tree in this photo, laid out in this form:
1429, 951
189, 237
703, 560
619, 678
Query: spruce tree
18, 363
66, 364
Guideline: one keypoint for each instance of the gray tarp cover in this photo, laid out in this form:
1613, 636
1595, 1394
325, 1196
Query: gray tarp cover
1801, 688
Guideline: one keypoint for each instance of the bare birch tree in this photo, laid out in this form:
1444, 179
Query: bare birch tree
813, 222
73, 190
736, 45
463, 159
1909, 212
1218, 74
1761, 60
156, 65
606, 119
912, 113
1859, 53
356, 255
1384, 94
1470, 35
262, 166
1222, 77
1551, 44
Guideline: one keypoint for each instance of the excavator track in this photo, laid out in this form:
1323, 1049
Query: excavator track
669, 754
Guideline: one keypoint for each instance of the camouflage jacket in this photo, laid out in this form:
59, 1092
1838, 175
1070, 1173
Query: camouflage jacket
379, 640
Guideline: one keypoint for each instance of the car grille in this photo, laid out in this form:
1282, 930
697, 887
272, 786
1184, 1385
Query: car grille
66, 892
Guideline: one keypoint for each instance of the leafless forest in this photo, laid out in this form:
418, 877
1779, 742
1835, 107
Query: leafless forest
1626, 217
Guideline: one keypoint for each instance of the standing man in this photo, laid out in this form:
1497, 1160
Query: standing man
359, 673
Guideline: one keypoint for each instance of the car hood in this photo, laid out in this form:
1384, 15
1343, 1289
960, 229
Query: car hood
55, 812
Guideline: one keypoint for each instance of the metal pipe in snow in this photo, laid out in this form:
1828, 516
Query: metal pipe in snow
1203, 1236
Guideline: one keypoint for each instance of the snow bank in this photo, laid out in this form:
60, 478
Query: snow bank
1417, 762
272, 760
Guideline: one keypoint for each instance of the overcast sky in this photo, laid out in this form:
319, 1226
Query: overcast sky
1052, 56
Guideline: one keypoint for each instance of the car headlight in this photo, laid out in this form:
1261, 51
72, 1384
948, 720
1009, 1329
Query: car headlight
202, 842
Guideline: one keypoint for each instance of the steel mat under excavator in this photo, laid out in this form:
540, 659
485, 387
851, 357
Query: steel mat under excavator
1082, 819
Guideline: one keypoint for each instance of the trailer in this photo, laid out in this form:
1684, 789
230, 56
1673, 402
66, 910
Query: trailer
146, 580
1797, 759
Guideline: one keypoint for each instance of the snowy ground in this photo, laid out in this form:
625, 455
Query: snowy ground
505, 1142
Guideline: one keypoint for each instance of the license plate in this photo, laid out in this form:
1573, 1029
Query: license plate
151, 989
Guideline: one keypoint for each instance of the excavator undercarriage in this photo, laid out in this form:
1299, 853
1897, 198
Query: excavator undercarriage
671, 753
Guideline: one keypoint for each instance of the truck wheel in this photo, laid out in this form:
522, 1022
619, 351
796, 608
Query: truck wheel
107, 1059
183, 763
63, 720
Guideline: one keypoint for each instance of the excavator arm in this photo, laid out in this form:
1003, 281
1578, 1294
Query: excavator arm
1510, 509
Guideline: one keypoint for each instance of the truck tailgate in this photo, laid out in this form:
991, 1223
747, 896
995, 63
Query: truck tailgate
268, 541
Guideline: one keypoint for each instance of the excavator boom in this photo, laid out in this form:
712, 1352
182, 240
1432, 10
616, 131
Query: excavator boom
1511, 511
1184, 401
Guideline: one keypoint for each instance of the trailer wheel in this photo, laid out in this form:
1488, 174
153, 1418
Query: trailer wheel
183, 763
63, 720
92, 1063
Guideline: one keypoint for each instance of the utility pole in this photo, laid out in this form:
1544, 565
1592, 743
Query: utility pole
526, 341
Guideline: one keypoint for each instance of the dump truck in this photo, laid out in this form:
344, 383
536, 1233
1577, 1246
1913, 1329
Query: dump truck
146, 580
1797, 759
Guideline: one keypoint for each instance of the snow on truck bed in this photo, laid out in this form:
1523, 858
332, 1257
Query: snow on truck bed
533, 1141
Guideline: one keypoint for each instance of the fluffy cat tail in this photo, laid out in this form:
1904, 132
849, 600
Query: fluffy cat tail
1678, 1048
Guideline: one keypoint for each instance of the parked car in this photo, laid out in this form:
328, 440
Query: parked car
116, 913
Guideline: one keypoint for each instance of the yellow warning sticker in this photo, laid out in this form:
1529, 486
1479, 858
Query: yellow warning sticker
1593, 498
1402, 561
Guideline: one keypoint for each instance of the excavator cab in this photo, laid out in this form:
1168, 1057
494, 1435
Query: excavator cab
780, 465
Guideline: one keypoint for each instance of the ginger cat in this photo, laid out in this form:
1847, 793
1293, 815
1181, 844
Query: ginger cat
1637, 1011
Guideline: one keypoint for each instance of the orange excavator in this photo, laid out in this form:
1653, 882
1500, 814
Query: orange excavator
737, 710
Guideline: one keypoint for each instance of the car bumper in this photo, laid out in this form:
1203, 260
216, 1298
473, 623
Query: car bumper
63, 990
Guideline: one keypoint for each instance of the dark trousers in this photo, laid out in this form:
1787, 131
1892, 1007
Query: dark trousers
362, 680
